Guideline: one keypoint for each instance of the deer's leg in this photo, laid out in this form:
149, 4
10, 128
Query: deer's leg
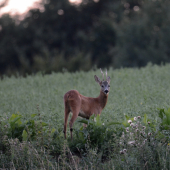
67, 111
75, 111
74, 117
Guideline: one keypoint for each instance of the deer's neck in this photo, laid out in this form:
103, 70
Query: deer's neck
103, 99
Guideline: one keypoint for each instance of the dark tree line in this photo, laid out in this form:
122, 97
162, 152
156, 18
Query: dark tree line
104, 33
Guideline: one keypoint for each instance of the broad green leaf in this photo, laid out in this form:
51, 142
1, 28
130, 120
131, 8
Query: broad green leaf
161, 112
167, 113
16, 121
13, 116
145, 119
24, 135
85, 132
127, 117
98, 121
92, 117
125, 123
81, 128
83, 121
33, 115
44, 124
164, 121
53, 130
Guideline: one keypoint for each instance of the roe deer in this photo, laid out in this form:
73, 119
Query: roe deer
84, 106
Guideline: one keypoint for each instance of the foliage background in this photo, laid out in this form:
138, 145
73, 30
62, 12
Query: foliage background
104, 33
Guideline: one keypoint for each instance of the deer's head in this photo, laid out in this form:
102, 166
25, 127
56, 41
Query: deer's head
105, 84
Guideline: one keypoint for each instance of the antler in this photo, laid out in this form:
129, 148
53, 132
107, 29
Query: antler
106, 73
102, 73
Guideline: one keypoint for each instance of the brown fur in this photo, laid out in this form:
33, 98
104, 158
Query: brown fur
84, 106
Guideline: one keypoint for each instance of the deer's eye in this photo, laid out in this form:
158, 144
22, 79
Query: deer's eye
102, 86
108, 85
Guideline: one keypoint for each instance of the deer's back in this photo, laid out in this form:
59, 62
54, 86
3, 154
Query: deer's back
72, 95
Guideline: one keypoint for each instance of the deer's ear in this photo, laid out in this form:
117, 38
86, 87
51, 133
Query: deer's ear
108, 79
97, 80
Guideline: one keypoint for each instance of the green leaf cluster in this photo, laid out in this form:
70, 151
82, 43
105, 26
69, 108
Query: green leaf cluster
25, 130
95, 135
164, 114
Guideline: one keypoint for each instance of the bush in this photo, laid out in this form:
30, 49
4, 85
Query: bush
134, 143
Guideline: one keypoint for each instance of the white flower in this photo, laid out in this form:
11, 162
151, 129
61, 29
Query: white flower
103, 123
131, 142
149, 123
135, 118
144, 142
137, 130
129, 121
121, 152
124, 150
123, 135
139, 117
149, 134
131, 134
144, 127
94, 119
132, 124
127, 129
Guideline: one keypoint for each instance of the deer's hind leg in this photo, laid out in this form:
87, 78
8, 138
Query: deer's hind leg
67, 111
75, 110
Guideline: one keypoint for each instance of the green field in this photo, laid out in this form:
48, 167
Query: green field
134, 92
